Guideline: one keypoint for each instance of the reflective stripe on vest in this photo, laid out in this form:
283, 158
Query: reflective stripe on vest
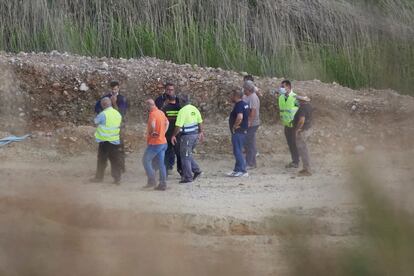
190, 128
110, 131
172, 113
288, 109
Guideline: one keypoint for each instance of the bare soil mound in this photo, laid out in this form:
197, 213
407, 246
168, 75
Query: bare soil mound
53, 217
52, 95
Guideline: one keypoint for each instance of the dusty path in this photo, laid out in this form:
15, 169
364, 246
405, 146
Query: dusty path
216, 222
269, 191
235, 226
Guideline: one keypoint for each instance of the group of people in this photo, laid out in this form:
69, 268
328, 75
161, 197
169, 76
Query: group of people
175, 127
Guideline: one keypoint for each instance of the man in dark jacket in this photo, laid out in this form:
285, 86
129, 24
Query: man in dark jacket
169, 91
171, 109
119, 102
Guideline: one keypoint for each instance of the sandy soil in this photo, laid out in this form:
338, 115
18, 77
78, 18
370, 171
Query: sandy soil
50, 209
270, 189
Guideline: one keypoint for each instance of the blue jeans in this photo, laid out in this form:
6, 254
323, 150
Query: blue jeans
238, 140
155, 153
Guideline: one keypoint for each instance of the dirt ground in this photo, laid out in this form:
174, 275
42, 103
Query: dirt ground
54, 222
49, 211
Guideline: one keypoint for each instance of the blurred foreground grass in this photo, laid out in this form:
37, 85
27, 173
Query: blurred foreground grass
385, 246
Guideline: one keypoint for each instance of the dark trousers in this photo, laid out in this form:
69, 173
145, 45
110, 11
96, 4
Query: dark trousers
170, 154
122, 148
250, 145
189, 165
112, 152
290, 133
238, 140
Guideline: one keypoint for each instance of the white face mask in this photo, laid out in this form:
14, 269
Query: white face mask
282, 91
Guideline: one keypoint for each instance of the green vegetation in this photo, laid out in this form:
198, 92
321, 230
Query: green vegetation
358, 43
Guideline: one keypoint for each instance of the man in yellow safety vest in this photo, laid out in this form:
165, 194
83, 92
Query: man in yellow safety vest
189, 124
288, 107
107, 135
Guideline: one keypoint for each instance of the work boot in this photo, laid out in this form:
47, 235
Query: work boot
304, 172
117, 182
292, 165
160, 188
149, 185
197, 174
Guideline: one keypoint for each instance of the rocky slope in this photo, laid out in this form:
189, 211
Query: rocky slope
54, 93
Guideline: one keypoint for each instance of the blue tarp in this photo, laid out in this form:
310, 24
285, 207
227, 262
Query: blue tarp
10, 139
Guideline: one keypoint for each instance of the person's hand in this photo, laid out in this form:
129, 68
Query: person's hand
174, 140
250, 123
298, 131
113, 100
201, 137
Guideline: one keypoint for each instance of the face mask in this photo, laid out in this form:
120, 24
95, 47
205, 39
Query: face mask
282, 91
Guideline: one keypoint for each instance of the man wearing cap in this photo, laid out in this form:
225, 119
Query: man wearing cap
171, 109
189, 125
156, 146
119, 103
302, 124
239, 122
107, 135
288, 107
253, 102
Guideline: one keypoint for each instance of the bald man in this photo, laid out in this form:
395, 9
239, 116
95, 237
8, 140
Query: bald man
107, 135
156, 146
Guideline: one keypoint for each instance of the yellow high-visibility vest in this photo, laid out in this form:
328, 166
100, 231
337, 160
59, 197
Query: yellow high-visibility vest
288, 109
110, 131
188, 119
